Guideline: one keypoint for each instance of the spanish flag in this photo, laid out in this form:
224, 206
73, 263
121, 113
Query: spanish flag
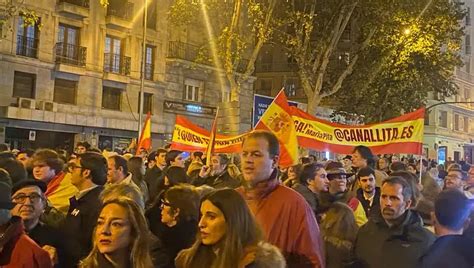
278, 120
212, 140
145, 137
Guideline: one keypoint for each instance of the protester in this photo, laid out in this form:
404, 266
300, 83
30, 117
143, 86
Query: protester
339, 230
228, 236
136, 167
383, 165
179, 216
339, 192
285, 217
368, 194
312, 182
451, 248
216, 174
82, 147
117, 171
89, 174
175, 158
16, 248
120, 238
115, 191
153, 176
362, 157
398, 238
48, 167
15, 168
398, 166
24, 156
456, 179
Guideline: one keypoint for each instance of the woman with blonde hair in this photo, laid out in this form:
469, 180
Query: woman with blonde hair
121, 237
339, 231
228, 236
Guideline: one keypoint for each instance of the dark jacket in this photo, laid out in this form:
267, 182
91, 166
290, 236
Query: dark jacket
152, 179
80, 222
223, 180
369, 209
172, 240
339, 254
309, 196
450, 251
45, 235
378, 245
18, 250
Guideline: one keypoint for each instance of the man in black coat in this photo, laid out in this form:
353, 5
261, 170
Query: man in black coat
30, 203
398, 238
89, 174
216, 174
451, 248
154, 175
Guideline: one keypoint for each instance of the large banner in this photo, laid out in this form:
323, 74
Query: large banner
402, 134
189, 137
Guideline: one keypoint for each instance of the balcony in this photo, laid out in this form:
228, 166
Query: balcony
190, 52
26, 46
120, 16
75, 8
70, 54
263, 67
116, 67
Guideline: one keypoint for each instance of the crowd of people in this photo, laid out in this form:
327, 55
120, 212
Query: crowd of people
164, 209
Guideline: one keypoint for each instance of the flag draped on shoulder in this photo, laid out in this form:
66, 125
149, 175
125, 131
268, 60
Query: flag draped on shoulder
145, 137
279, 121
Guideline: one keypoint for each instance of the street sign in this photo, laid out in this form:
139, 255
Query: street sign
260, 105
32, 135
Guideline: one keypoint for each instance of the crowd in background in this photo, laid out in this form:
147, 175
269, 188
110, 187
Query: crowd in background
169, 208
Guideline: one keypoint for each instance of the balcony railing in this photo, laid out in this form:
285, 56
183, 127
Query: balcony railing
124, 12
262, 67
149, 69
26, 46
116, 63
81, 3
71, 54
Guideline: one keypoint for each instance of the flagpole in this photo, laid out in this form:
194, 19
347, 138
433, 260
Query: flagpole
142, 81
212, 138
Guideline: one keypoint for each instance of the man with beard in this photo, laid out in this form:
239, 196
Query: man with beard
284, 216
368, 194
216, 174
398, 238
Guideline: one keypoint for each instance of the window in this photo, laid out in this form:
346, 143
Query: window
65, 91
468, 16
149, 60
151, 15
192, 90
147, 103
24, 85
427, 119
112, 57
67, 47
443, 119
291, 85
467, 94
466, 124
111, 98
467, 64
456, 122
27, 39
266, 85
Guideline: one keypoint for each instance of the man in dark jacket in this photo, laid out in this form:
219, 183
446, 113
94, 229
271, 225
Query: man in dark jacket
154, 174
216, 174
89, 174
451, 248
368, 194
398, 238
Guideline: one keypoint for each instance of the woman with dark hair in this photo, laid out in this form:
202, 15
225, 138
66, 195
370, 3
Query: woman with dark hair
339, 230
120, 237
312, 181
228, 236
136, 166
362, 157
179, 220
293, 175
383, 165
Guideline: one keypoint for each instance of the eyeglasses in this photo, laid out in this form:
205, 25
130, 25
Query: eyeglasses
72, 167
21, 198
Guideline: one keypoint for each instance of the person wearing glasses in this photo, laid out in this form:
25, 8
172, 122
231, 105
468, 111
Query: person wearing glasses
30, 203
311, 183
339, 192
88, 175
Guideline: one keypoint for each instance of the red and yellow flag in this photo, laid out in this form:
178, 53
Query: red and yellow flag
278, 120
145, 137
212, 140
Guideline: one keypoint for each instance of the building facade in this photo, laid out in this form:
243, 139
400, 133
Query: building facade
76, 75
